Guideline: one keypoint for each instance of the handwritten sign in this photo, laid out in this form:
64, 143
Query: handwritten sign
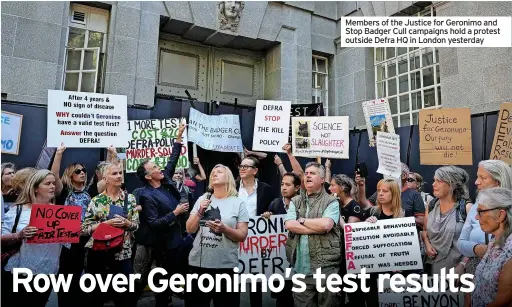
55, 224
263, 251
388, 152
215, 132
153, 139
86, 120
302, 110
377, 114
445, 137
443, 297
384, 246
271, 125
320, 137
502, 144
11, 132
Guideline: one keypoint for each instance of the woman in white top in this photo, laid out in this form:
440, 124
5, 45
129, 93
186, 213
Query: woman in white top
39, 258
221, 221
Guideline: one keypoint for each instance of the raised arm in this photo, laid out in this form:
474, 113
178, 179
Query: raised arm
328, 173
175, 154
361, 191
296, 168
112, 154
259, 155
202, 175
280, 166
56, 168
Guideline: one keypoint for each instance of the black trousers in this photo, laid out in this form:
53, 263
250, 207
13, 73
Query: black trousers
22, 298
170, 261
197, 298
72, 262
103, 263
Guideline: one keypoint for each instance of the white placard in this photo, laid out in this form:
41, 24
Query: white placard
378, 118
86, 120
215, 132
11, 132
271, 125
422, 298
325, 136
264, 249
388, 152
384, 246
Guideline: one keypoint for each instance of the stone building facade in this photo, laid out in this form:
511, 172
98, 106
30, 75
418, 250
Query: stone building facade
222, 51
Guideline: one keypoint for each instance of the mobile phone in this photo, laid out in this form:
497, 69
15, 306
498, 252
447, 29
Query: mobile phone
362, 170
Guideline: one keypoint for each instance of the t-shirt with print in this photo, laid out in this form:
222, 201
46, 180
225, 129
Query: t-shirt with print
351, 209
217, 251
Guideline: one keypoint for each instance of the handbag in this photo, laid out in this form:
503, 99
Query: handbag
9, 251
109, 238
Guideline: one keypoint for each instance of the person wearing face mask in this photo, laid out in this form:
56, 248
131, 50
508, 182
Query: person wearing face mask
313, 237
115, 209
220, 220
39, 258
388, 206
493, 276
473, 241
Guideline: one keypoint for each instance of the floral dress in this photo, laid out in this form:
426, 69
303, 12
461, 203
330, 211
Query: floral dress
97, 212
488, 273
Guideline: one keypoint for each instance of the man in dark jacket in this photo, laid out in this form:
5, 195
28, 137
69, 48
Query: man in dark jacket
162, 219
257, 196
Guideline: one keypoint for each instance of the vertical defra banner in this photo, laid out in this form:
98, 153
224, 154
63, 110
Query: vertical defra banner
445, 137
502, 144
153, 139
264, 249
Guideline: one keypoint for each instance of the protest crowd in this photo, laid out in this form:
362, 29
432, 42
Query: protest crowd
161, 222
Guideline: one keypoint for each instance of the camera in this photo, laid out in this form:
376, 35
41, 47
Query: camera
361, 169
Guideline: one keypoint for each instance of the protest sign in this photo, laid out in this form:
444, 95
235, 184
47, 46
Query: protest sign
86, 120
377, 114
445, 137
45, 157
301, 110
153, 139
271, 125
55, 223
388, 152
215, 132
11, 132
384, 246
325, 137
263, 251
502, 144
447, 298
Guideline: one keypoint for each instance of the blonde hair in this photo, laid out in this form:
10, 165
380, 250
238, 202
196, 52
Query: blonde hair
230, 184
66, 179
107, 167
20, 179
28, 194
396, 203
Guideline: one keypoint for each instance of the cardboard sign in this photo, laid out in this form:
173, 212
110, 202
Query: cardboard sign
153, 139
263, 251
422, 298
11, 132
320, 137
271, 125
301, 110
377, 114
445, 137
502, 144
55, 223
215, 132
384, 246
86, 120
388, 152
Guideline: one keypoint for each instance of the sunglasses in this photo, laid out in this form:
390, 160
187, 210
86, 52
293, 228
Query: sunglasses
78, 171
411, 180
245, 167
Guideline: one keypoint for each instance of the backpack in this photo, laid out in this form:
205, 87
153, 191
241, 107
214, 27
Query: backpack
460, 209
79, 199
107, 237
